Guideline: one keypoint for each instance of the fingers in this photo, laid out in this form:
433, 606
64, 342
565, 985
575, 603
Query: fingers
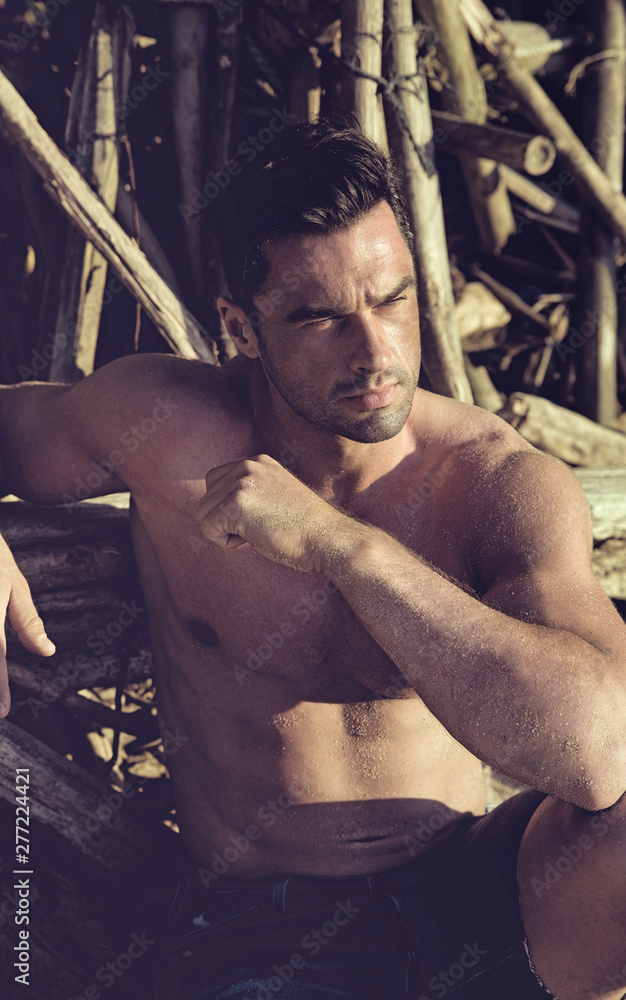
25, 620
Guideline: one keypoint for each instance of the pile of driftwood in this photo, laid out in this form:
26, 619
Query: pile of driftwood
116, 121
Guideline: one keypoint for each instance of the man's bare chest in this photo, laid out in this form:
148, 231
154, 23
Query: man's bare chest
236, 615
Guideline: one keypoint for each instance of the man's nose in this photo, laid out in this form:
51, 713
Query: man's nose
370, 350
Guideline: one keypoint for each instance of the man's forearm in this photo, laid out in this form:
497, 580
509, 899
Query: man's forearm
531, 700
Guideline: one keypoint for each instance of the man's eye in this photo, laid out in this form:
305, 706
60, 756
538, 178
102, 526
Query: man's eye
399, 298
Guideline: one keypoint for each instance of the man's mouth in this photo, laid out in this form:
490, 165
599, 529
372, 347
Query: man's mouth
373, 399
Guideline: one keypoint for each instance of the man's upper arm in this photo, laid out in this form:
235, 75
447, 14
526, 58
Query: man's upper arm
60, 443
534, 552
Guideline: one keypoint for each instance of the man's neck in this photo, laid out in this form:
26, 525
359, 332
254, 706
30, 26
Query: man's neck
336, 467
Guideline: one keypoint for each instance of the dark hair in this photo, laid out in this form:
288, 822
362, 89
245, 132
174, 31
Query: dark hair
313, 178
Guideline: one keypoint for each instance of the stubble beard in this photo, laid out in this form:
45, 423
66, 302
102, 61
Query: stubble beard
369, 427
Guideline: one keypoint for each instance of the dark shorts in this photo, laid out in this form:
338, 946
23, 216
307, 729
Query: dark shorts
446, 924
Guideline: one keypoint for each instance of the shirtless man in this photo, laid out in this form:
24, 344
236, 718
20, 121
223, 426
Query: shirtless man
357, 591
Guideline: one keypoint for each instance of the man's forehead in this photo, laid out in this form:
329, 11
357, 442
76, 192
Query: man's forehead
372, 251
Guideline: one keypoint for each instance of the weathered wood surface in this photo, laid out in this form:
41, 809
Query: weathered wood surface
85, 210
590, 179
467, 97
361, 46
605, 104
441, 345
533, 153
88, 812
565, 434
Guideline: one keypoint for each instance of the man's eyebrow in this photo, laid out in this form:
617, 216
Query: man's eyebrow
329, 312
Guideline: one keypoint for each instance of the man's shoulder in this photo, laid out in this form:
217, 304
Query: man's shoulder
476, 437
182, 384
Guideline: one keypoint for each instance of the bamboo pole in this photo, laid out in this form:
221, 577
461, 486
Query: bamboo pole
488, 194
441, 344
361, 46
221, 116
188, 32
92, 131
603, 132
85, 210
533, 153
590, 179
306, 90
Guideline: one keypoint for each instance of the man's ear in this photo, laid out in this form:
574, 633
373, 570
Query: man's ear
238, 327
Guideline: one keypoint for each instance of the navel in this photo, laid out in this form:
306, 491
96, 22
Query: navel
203, 632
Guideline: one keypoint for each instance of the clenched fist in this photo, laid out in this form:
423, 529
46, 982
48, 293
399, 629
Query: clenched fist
257, 501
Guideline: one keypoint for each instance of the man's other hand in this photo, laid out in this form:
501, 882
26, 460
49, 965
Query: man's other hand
15, 598
258, 501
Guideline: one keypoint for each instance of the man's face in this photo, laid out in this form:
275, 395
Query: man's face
339, 338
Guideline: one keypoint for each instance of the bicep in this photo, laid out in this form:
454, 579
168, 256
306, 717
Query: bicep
535, 558
63, 443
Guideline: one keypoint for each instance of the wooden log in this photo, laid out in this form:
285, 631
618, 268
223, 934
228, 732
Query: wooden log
482, 318
124, 213
79, 669
41, 693
74, 803
85, 210
511, 299
25, 525
533, 153
484, 391
221, 117
361, 46
55, 568
605, 490
488, 194
188, 33
441, 345
92, 131
561, 432
306, 88
590, 180
603, 133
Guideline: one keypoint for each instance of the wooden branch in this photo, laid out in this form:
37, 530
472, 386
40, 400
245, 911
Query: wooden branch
89, 215
511, 299
149, 243
533, 153
540, 198
306, 90
135, 723
603, 133
483, 389
591, 181
361, 45
441, 344
570, 436
482, 318
86, 811
188, 32
92, 132
605, 490
488, 195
